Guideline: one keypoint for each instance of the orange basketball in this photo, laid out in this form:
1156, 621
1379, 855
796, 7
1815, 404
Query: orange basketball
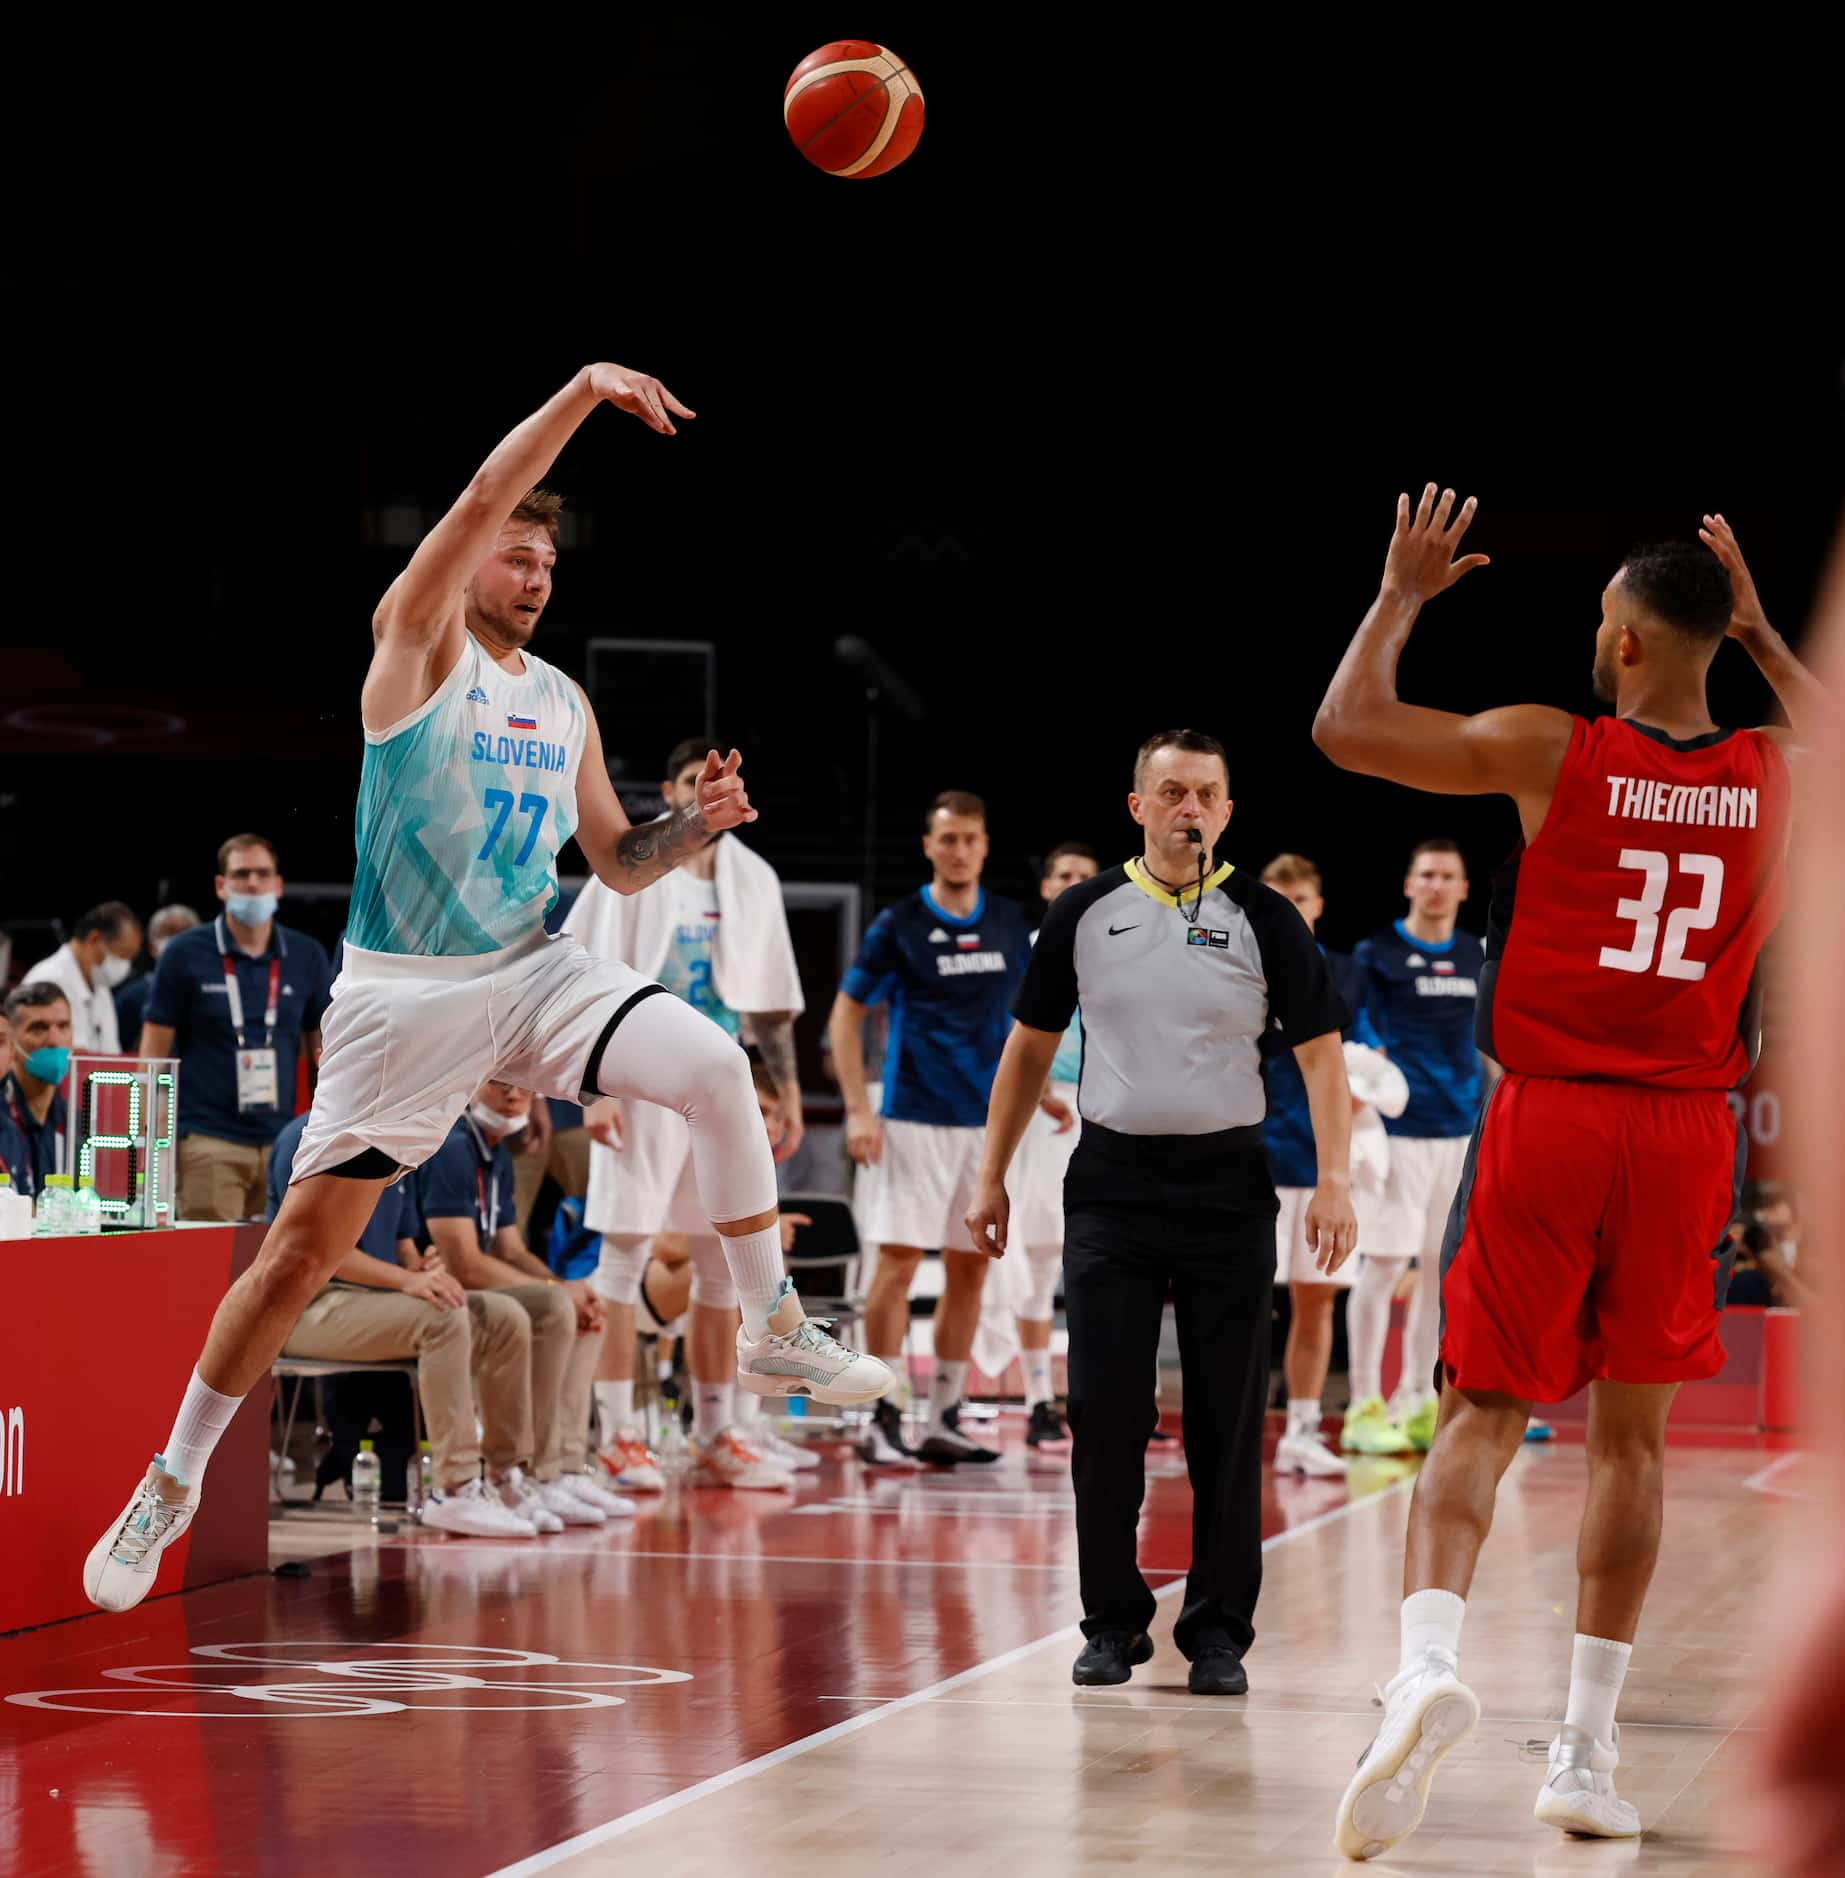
853, 109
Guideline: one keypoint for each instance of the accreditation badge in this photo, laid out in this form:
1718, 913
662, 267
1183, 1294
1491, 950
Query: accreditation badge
257, 1085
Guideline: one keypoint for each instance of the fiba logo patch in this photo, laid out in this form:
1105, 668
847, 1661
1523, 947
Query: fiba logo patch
1204, 936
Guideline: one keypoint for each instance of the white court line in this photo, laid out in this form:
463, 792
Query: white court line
674, 1802
1758, 1481
759, 1558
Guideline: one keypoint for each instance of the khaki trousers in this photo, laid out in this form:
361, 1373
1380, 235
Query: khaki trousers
567, 1162
492, 1338
223, 1180
553, 1319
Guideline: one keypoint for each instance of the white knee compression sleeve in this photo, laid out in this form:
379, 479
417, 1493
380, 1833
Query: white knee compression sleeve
619, 1269
664, 1051
1043, 1266
1367, 1323
712, 1284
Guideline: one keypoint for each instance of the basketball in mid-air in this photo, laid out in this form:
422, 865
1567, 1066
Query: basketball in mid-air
853, 109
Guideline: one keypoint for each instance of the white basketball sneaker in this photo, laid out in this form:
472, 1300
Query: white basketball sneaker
728, 1459
125, 1561
798, 1357
521, 1494
585, 1487
472, 1510
558, 1497
784, 1453
1307, 1453
631, 1463
1427, 1710
1578, 1794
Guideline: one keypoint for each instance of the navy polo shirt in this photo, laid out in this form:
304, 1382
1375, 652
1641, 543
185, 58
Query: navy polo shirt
130, 1007
29, 1148
466, 1179
189, 994
393, 1218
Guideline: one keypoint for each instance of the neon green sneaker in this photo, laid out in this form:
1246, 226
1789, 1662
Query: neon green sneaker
1419, 1426
1369, 1430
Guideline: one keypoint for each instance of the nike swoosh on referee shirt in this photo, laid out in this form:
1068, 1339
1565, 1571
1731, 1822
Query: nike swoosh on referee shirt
1113, 930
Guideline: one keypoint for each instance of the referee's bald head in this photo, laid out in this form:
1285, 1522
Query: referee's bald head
1197, 742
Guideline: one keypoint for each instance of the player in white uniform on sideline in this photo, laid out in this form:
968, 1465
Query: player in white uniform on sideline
1026, 1289
480, 762
715, 933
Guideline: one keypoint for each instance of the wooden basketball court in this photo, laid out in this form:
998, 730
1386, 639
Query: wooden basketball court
873, 1673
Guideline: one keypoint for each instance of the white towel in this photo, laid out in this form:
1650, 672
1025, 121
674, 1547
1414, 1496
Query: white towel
752, 963
1380, 1086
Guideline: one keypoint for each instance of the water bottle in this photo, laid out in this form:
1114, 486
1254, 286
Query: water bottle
15, 1211
365, 1477
87, 1214
55, 1204
421, 1478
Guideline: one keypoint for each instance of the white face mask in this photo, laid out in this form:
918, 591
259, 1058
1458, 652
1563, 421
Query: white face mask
113, 971
492, 1122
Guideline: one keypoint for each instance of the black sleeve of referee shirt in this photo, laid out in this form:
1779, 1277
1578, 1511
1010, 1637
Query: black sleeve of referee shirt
1046, 998
1302, 996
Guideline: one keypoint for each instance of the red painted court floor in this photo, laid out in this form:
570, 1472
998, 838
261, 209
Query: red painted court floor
451, 1706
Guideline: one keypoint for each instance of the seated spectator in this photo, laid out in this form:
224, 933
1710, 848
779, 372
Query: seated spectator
388, 1302
235, 1001
33, 1121
87, 967
131, 998
466, 1192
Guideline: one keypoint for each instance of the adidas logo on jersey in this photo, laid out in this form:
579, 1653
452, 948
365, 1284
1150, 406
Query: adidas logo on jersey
1415, 961
938, 937
477, 696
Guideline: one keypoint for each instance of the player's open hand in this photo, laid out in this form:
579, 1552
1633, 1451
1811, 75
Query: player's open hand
602, 1121
1059, 1111
791, 1224
635, 392
1332, 1227
1746, 614
864, 1137
988, 1218
723, 802
1421, 562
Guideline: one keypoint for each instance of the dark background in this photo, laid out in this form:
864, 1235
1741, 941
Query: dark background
1090, 418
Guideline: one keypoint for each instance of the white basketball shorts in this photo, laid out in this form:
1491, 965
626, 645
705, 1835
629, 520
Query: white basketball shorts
647, 1184
1419, 1190
1036, 1176
919, 1192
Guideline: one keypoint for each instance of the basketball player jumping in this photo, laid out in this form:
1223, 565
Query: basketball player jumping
480, 763
1618, 994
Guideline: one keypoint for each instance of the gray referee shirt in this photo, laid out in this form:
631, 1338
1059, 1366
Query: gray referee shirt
1172, 1011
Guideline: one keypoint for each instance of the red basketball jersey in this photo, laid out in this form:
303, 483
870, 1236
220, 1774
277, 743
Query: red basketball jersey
1623, 941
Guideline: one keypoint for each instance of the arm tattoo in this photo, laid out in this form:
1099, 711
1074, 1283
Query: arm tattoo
775, 1044
656, 848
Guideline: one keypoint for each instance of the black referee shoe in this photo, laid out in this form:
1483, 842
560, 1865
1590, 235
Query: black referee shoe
1218, 1672
950, 1447
1109, 1657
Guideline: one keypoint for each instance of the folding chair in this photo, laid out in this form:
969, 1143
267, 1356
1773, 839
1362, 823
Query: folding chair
320, 1367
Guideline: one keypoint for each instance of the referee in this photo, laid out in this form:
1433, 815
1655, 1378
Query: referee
1180, 963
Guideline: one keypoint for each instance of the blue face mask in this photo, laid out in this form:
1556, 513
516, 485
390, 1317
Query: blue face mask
252, 909
48, 1062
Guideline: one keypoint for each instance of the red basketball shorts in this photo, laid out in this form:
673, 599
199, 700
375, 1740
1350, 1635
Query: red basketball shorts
1587, 1241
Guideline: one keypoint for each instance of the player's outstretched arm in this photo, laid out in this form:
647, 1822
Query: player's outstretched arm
1363, 725
1801, 695
625, 858
421, 600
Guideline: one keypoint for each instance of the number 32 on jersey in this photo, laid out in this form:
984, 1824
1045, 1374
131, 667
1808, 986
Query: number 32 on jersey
1656, 868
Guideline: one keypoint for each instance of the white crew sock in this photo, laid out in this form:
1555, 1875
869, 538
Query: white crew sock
746, 1406
945, 1387
614, 1407
203, 1417
1303, 1416
1367, 1324
754, 1261
1431, 1620
1597, 1670
711, 1409
1036, 1367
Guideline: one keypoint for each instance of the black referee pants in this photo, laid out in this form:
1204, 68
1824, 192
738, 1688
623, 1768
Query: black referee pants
1193, 1216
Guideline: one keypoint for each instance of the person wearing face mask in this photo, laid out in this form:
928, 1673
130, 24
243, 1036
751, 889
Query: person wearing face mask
235, 1001
33, 1123
466, 1190
131, 996
87, 967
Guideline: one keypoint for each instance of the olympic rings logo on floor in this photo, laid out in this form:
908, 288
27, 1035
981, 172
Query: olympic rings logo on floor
359, 1679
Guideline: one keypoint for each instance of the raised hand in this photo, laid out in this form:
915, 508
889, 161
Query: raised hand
1746, 614
1421, 562
722, 800
635, 392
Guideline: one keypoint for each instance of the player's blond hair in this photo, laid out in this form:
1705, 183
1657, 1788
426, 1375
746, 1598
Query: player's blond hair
1292, 870
539, 508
